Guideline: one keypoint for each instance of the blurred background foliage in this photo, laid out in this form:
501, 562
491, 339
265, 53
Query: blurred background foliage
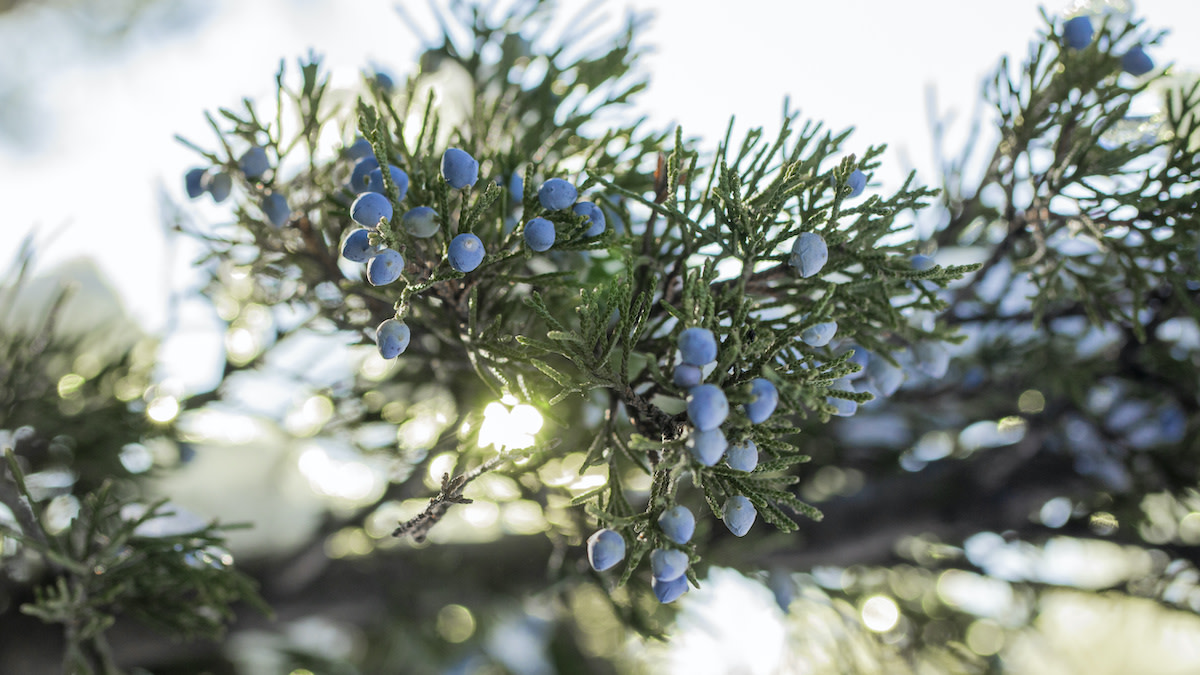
1033, 510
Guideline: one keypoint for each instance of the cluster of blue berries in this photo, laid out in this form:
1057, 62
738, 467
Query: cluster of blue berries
557, 194
708, 409
1078, 34
668, 563
253, 164
465, 252
706, 443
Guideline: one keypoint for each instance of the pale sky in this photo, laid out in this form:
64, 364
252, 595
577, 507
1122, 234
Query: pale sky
107, 124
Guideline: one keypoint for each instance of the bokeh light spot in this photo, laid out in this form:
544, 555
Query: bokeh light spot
455, 623
985, 637
880, 613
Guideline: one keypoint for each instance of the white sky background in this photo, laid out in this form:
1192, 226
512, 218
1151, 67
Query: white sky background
107, 124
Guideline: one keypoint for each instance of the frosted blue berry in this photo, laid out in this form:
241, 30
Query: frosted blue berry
362, 174
357, 247
375, 181
697, 346
193, 180
783, 588
677, 524
764, 398
360, 149
392, 338
219, 186
1135, 62
669, 591
820, 334
707, 406
921, 262
743, 456
687, 375
385, 267
667, 564
466, 252
276, 208
933, 358
594, 216
459, 168
516, 187
809, 254
605, 548
885, 377
253, 163
707, 446
539, 234
369, 207
857, 180
420, 222
557, 194
384, 82
860, 356
842, 407
739, 515
1077, 32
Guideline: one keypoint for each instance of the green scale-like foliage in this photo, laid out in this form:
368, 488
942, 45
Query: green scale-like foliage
695, 239
700, 236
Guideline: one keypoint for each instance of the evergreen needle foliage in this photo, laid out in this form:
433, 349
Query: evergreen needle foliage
1040, 336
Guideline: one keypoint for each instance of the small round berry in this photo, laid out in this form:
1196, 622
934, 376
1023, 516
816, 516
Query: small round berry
667, 564
369, 207
375, 181
739, 515
809, 254
857, 180
392, 338
357, 247
820, 334
539, 234
921, 262
459, 168
707, 447
743, 456
765, 398
385, 267
688, 376
465, 252
783, 587
219, 185
360, 149
253, 163
516, 187
276, 208
605, 548
594, 216
862, 357
933, 358
669, 591
384, 82
193, 180
697, 346
842, 407
707, 406
885, 377
420, 222
362, 174
557, 194
1077, 32
1136, 62
677, 524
